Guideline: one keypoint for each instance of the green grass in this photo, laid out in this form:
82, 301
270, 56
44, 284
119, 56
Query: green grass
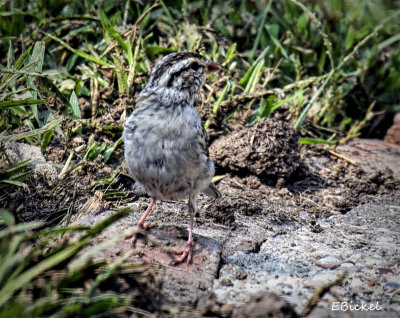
45, 273
356, 55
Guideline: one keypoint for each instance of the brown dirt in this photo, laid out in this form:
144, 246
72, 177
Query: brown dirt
269, 150
268, 180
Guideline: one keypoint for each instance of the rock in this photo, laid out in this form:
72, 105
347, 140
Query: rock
328, 261
320, 280
241, 274
226, 282
182, 283
393, 133
264, 304
372, 261
373, 154
41, 170
392, 285
349, 266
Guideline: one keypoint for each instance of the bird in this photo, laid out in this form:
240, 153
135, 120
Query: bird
165, 142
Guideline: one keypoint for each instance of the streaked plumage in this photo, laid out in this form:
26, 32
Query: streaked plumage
165, 147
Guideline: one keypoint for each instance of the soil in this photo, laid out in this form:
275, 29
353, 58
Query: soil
271, 186
269, 150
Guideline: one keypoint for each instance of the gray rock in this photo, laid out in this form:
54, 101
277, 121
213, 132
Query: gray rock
263, 305
41, 170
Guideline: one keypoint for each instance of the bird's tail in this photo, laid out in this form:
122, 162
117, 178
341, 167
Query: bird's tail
212, 191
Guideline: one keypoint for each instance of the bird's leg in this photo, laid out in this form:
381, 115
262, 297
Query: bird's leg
187, 252
141, 226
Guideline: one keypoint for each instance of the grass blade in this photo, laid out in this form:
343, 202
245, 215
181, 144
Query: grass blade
77, 52
20, 228
13, 182
304, 113
21, 280
269, 110
254, 77
312, 141
109, 151
31, 133
22, 102
35, 65
260, 29
110, 30
46, 139
7, 217
246, 76
18, 64
75, 106
276, 41
228, 86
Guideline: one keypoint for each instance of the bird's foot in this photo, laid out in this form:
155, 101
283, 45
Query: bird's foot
133, 236
185, 254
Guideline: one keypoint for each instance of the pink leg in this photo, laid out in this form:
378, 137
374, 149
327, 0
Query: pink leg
141, 225
188, 251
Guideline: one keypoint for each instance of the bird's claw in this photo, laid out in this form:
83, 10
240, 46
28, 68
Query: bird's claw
145, 226
187, 254
139, 227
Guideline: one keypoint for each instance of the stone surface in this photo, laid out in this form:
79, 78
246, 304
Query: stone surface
181, 283
249, 252
263, 305
373, 154
295, 271
41, 170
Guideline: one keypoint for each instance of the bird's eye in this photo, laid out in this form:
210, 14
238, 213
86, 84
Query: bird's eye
194, 66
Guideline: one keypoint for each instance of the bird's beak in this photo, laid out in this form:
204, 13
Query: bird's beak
211, 67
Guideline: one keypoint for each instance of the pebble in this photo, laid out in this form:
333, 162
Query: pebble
320, 280
392, 285
329, 261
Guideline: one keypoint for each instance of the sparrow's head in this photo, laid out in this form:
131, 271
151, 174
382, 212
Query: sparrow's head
184, 73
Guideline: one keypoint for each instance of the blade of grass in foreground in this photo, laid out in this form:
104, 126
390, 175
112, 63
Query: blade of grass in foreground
66, 253
260, 30
269, 108
75, 105
107, 154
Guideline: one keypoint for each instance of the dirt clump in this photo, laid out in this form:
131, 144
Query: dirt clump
269, 150
321, 186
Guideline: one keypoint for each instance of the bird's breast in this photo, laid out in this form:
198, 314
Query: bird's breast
163, 152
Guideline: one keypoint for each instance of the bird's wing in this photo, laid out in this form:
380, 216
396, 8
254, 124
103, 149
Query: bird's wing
211, 190
203, 141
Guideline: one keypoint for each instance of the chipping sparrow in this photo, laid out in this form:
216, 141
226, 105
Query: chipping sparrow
165, 147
